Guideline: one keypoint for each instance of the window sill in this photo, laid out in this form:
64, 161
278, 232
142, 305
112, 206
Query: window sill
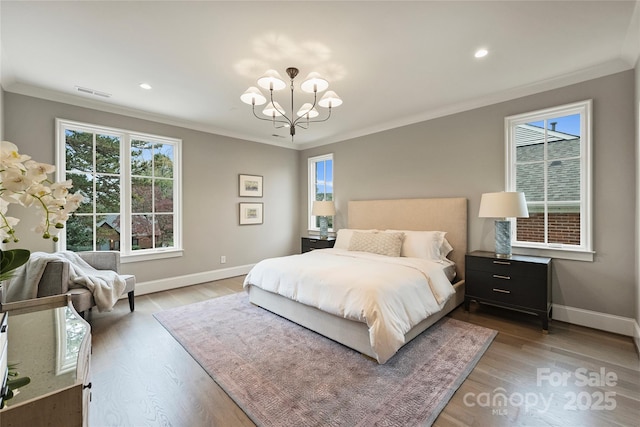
148, 256
558, 253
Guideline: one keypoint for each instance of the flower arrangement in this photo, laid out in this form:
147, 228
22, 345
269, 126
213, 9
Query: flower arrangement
25, 182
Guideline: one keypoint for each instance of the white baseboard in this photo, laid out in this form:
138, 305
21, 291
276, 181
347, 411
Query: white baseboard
190, 279
577, 316
594, 319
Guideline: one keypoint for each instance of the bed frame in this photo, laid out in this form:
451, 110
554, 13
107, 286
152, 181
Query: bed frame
443, 214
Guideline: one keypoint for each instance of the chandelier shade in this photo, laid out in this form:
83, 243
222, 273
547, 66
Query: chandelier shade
273, 110
253, 96
272, 81
314, 83
330, 99
307, 108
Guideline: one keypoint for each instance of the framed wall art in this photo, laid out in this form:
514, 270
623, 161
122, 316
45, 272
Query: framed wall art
250, 185
251, 213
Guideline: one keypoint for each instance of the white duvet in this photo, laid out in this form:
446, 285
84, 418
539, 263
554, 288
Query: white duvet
391, 295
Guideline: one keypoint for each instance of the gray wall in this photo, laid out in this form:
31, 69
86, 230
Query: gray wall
463, 155
211, 164
458, 155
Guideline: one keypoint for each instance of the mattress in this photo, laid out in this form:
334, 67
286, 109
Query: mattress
391, 295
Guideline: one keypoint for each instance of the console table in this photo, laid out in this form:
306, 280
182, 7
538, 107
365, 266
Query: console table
52, 347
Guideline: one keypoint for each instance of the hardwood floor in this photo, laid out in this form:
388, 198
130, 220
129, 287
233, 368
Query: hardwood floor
142, 377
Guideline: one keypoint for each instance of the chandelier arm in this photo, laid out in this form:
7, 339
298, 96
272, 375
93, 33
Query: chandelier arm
270, 119
295, 122
313, 121
273, 104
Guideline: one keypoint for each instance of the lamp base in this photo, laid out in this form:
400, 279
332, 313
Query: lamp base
324, 232
503, 238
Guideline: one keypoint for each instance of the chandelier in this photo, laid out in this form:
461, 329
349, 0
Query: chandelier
271, 81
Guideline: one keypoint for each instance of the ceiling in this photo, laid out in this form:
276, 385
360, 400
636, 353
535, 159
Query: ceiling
393, 63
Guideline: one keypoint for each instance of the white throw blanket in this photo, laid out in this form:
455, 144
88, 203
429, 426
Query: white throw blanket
390, 294
105, 285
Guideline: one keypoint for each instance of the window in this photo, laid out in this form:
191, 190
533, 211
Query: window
320, 186
131, 184
549, 159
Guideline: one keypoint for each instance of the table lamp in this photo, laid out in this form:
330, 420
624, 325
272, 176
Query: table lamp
323, 209
503, 205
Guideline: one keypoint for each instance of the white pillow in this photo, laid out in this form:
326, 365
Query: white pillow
381, 243
446, 248
424, 244
343, 237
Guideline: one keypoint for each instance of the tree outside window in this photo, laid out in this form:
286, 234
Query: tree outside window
131, 189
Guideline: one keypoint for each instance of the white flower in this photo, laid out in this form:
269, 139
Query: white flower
15, 181
9, 154
25, 182
60, 190
38, 171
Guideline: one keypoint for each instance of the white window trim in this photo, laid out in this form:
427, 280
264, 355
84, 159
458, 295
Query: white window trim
585, 251
311, 181
126, 254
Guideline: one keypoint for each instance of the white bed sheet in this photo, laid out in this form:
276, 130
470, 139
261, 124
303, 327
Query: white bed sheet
390, 294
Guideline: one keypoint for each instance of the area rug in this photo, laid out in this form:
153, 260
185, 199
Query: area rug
282, 374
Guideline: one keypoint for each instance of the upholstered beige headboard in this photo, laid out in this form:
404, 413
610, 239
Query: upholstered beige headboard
443, 214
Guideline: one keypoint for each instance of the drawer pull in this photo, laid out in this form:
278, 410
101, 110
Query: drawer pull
501, 291
502, 262
87, 386
497, 276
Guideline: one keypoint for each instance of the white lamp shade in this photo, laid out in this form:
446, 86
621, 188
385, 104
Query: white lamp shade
505, 204
330, 99
314, 83
323, 208
253, 96
271, 110
307, 110
271, 80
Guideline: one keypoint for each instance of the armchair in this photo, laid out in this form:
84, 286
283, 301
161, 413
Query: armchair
55, 279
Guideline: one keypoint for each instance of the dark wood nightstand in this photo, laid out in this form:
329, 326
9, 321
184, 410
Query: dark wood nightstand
311, 243
521, 283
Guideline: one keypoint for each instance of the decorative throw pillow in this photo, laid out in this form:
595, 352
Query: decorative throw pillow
381, 243
343, 238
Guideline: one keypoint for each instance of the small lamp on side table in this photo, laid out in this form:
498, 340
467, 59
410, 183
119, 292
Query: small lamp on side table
503, 205
323, 209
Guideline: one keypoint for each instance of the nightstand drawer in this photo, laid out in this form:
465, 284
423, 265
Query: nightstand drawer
311, 243
507, 267
505, 289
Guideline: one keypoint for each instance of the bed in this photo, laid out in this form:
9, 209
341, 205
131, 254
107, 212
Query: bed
442, 214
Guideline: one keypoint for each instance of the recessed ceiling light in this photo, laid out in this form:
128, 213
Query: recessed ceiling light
481, 53
146, 86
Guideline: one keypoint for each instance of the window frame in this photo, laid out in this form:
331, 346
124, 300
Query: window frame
126, 253
311, 182
584, 251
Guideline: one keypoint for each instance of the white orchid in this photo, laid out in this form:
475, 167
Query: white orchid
25, 182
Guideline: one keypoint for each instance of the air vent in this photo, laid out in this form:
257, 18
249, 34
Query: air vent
93, 92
